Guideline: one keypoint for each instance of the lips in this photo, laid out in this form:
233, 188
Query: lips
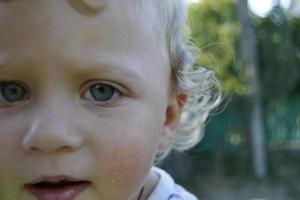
56, 188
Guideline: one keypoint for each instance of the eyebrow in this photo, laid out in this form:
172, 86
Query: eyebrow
126, 74
105, 68
114, 70
118, 69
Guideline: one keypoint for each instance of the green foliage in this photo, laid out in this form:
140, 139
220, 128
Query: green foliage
295, 36
296, 33
278, 40
214, 30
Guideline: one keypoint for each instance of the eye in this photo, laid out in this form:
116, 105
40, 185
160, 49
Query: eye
101, 92
11, 92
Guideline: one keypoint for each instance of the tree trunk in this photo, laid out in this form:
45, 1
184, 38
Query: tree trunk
249, 59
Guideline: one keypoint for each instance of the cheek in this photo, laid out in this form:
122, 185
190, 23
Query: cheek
127, 164
125, 150
124, 153
11, 131
10, 157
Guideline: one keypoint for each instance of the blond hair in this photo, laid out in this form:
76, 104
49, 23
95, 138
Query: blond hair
201, 85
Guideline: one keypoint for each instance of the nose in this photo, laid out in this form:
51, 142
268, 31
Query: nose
52, 131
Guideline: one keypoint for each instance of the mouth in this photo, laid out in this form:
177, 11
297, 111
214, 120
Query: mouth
56, 188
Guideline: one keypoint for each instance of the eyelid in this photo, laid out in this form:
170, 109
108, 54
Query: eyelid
88, 84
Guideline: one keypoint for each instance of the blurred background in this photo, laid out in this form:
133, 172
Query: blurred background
251, 146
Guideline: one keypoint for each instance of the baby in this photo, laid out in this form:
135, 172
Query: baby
93, 93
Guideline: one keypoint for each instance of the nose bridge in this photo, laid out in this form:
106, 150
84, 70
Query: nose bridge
53, 105
52, 127
53, 102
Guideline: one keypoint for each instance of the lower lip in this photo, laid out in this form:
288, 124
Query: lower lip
68, 192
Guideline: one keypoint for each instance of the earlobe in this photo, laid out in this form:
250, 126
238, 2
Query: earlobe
166, 138
172, 119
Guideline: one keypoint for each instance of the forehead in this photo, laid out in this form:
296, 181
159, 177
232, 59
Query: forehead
121, 25
41, 31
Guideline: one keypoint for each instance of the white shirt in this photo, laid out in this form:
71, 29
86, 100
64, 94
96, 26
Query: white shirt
167, 189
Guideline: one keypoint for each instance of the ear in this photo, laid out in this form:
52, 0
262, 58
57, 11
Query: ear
172, 119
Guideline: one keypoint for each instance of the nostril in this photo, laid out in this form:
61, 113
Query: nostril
65, 149
33, 148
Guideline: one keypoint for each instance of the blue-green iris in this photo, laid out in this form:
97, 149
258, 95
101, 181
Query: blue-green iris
102, 92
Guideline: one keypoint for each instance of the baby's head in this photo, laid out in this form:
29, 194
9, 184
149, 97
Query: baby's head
96, 90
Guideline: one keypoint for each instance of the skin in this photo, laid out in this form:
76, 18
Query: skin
56, 53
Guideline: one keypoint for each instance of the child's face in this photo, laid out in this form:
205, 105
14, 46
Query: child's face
86, 97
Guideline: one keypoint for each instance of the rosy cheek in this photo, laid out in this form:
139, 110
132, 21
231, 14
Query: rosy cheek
125, 162
126, 166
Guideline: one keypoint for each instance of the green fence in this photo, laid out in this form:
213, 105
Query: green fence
230, 128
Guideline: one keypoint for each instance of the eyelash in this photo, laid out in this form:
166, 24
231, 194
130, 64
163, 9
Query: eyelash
87, 94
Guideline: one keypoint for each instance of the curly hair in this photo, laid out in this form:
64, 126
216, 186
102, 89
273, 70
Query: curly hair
201, 85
